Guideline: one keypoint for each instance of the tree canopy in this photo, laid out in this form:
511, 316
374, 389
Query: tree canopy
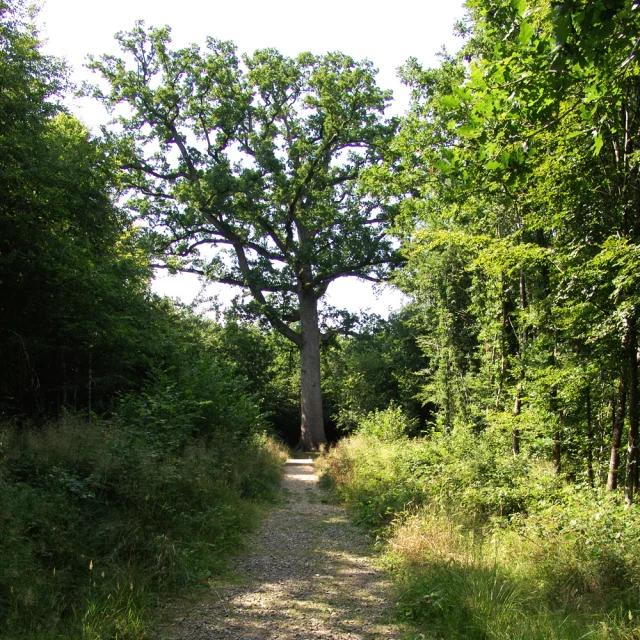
260, 159
519, 188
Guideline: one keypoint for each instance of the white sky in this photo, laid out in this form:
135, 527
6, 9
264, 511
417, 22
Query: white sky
386, 33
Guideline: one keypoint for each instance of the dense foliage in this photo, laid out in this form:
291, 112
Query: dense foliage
489, 546
373, 367
519, 186
75, 310
98, 521
133, 453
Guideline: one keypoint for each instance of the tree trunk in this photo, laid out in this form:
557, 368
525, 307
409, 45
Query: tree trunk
312, 434
76, 377
64, 382
631, 481
618, 424
515, 434
556, 452
589, 439
89, 388
503, 340
616, 435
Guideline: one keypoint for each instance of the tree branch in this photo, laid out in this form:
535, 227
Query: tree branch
272, 316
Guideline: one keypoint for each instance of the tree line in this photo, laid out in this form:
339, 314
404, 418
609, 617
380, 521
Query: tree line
519, 185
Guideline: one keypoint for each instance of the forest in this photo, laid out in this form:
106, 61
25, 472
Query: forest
485, 435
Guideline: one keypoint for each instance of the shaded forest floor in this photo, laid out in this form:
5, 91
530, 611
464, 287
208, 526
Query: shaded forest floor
310, 574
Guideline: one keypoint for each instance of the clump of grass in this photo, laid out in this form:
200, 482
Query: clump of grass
422, 539
118, 615
483, 545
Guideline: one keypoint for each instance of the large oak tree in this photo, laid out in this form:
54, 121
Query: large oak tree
259, 158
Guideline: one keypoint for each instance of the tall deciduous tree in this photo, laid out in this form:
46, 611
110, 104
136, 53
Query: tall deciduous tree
261, 160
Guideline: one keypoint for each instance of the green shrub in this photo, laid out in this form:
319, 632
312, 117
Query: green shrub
484, 544
98, 519
387, 425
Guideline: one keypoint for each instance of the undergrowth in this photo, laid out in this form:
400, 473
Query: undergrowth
98, 521
485, 545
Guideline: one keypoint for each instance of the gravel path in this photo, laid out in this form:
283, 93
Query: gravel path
309, 576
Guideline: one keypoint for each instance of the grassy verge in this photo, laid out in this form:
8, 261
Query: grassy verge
98, 522
483, 545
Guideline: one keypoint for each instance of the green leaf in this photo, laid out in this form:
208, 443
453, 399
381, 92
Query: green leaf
526, 32
468, 130
597, 144
520, 6
562, 29
450, 102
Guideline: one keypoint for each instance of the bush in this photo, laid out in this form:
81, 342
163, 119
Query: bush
484, 544
98, 519
388, 425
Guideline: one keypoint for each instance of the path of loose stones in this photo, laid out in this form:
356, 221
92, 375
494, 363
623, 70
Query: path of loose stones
310, 576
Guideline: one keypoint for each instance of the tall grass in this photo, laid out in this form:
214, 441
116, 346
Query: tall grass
97, 522
485, 545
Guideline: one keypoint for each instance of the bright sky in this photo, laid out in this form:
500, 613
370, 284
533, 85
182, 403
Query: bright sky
386, 33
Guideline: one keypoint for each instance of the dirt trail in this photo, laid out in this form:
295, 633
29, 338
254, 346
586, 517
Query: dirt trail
310, 576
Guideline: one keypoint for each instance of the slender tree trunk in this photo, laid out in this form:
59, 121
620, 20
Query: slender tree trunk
618, 420
312, 434
557, 435
613, 408
515, 434
503, 341
606, 421
76, 380
636, 469
64, 382
515, 438
490, 373
61, 396
89, 387
631, 480
589, 438
616, 435
557, 451
448, 397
